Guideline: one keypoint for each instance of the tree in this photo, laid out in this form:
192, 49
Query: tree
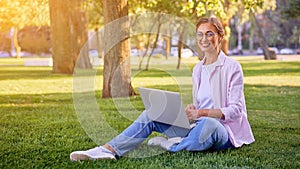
295, 36
162, 7
69, 34
260, 6
282, 24
226, 9
245, 10
223, 9
292, 9
117, 70
268, 54
17, 14
96, 20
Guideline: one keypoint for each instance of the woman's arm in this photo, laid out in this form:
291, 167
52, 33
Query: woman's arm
215, 113
194, 114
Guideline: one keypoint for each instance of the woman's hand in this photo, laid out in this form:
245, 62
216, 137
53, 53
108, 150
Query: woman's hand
191, 112
194, 114
190, 107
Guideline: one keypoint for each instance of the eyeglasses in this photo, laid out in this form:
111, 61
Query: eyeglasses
208, 35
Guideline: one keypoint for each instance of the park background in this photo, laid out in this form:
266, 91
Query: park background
44, 44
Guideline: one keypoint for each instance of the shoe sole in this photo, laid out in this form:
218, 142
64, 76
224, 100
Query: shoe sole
156, 141
81, 157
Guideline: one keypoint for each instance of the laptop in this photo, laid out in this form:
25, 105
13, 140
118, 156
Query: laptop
164, 106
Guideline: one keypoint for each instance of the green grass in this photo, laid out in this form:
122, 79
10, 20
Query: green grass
41, 124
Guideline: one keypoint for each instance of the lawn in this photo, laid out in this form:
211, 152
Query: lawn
43, 119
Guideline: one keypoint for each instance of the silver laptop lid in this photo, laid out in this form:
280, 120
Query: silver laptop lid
164, 106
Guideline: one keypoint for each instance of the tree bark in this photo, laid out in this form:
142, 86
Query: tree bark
147, 45
145, 52
16, 43
159, 17
251, 39
225, 41
117, 70
99, 43
240, 45
268, 54
69, 34
168, 46
80, 47
61, 37
180, 45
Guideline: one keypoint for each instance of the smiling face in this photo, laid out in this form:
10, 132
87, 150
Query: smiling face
208, 38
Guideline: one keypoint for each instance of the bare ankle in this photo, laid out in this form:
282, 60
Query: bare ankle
109, 148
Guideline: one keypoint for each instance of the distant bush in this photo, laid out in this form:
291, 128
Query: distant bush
158, 56
35, 39
5, 42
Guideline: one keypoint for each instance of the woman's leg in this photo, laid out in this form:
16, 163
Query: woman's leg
208, 133
139, 130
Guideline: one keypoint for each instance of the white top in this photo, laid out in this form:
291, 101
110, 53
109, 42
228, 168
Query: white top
210, 68
204, 94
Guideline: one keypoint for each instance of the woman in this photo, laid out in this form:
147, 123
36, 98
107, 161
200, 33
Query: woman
218, 108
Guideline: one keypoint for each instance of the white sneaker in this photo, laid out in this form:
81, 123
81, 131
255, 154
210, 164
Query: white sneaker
155, 141
97, 153
170, 142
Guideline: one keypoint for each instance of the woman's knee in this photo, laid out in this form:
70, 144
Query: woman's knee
143, 118
209, 122
208, 127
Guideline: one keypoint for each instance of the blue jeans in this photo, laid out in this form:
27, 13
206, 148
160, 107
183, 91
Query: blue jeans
207, 134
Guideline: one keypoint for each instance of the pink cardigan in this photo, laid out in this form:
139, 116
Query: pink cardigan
227, 90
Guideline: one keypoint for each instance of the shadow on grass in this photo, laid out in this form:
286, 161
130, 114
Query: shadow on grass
20, 72
16, 73
249, 68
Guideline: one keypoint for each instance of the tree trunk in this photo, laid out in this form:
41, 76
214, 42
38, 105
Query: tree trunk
156, 39
251, 39
147, 46
117, 70
16, 43
180, 46
63, 62
80, 47
239, 30
268, 54
168, 46
145, 52
225, 41
179, 53
151, 53
99, 43
69, 34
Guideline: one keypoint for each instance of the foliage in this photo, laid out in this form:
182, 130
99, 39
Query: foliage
292, 10
95, 13
279, 30
40, 128
294, 38
20, 13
